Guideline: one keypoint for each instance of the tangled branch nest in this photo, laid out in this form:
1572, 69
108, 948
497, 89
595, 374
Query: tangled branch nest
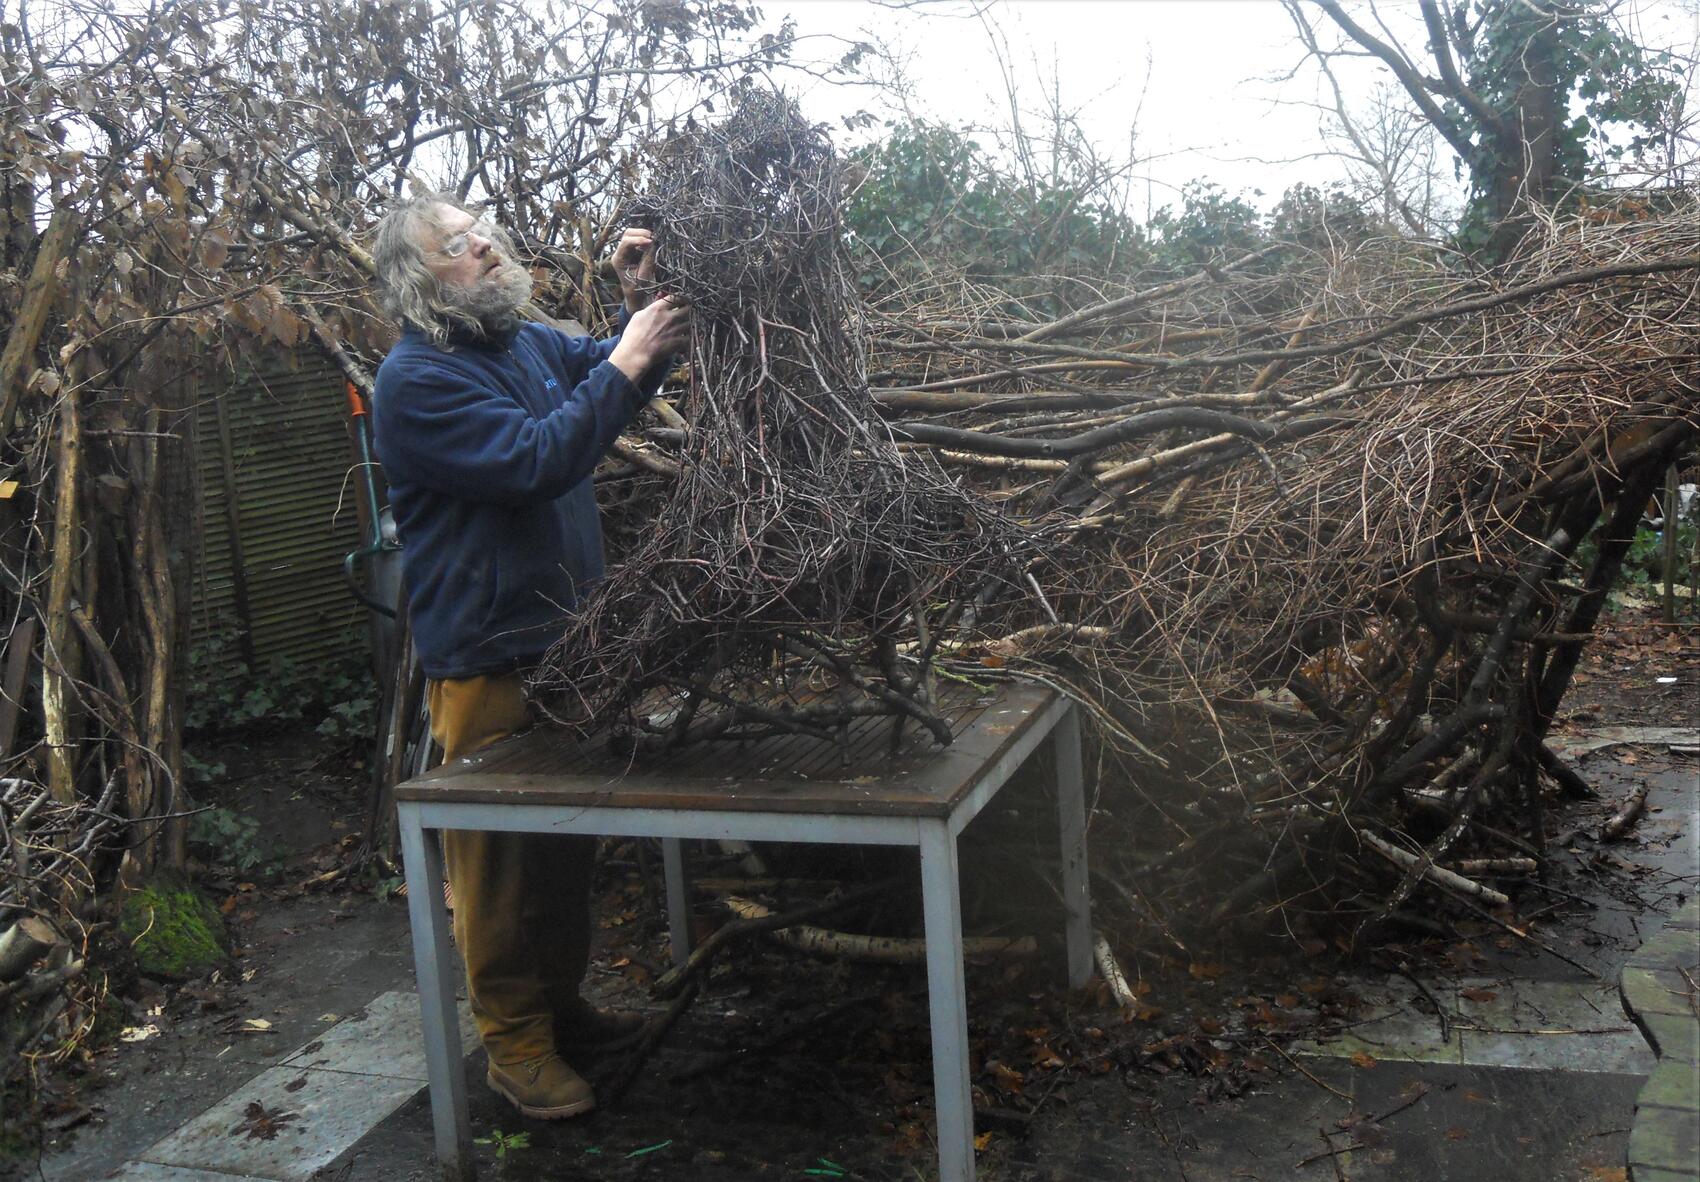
1335, 597
803, 569
1304, 528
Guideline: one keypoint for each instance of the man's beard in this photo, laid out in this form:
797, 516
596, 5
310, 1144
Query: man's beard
489, 309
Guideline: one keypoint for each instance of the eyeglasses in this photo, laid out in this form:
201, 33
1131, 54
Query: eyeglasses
453, 248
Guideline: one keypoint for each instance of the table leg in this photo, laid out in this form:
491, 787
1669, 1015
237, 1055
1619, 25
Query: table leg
947, 1003
1071, 817
678, 898
433, 960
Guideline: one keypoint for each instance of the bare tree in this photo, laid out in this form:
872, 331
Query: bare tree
1525, 93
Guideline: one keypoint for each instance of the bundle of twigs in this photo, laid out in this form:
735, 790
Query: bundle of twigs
804, 569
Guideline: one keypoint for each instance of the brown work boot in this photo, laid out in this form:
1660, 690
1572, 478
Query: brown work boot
583, 1029
544, 1087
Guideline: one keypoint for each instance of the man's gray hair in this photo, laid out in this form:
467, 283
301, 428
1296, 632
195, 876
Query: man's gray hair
409, 292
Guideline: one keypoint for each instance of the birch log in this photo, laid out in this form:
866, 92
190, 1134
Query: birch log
56, 673
1624, 819
1436, 874
818, 941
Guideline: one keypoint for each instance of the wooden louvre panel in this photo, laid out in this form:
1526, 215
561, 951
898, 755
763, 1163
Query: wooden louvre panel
294, 516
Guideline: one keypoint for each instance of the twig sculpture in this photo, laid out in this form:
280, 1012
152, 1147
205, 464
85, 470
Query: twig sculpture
804, 569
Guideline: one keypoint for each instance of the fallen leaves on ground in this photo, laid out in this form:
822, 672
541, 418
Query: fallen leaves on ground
261, 1123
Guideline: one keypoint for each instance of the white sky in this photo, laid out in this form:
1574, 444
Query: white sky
1206, 88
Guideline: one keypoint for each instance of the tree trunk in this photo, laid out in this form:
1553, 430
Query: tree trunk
39, 292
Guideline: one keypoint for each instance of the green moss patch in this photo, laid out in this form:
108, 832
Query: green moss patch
173, 930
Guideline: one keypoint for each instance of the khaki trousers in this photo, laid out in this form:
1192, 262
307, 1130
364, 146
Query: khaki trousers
522, 900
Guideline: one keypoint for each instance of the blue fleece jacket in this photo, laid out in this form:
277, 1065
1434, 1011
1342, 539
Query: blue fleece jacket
488, 451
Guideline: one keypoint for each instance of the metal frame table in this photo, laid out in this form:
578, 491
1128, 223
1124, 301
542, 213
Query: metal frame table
777, 789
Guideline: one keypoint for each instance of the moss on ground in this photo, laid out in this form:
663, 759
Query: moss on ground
110, 1017
173, 930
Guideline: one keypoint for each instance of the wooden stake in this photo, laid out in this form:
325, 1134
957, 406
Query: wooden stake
1672, 520
56, 673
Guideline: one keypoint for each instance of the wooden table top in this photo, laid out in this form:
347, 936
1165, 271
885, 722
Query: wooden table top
546, 766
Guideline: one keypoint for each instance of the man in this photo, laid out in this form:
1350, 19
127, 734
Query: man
488, 428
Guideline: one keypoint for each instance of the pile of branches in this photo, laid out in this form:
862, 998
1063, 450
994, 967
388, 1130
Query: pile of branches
803, 571
1303, 530
47, 853
1317, 519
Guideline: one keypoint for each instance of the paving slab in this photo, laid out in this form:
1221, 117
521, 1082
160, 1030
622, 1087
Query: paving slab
328, 1093
1674, 1036
1673, 1084
383, 1039
1671, 948
1656, 991
1549, 1025
1665, 1139
1390, 1027
1599, 737
1530, 1025
305, 1120
142, 1171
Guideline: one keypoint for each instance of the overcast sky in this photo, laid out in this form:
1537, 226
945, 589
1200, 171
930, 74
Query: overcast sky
1206, 88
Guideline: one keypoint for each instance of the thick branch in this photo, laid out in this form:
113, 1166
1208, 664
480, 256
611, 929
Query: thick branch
1414, 83
39, 291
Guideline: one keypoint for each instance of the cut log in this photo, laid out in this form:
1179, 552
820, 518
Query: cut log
1624, 819
817, 941
24, 943
1112, 973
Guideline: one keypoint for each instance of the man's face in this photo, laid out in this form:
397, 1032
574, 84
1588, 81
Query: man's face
462, 253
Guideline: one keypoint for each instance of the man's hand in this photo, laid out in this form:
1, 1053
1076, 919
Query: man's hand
652, 336
634, 263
